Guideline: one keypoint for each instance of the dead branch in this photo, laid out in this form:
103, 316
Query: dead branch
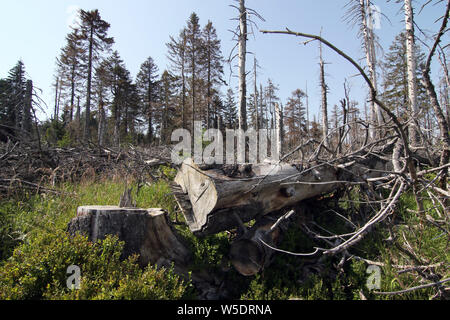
424, 286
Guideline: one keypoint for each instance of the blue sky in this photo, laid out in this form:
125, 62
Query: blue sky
35, 31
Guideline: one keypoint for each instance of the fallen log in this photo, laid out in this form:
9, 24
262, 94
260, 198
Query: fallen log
253, 251
210, 199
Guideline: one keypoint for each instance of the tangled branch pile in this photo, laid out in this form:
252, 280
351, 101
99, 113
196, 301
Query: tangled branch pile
25, 166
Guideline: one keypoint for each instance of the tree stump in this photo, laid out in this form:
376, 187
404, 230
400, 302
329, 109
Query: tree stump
146, 232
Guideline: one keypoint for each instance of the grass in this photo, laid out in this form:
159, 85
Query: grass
33, 212
25, 220
33, 261
428, 243
289, 277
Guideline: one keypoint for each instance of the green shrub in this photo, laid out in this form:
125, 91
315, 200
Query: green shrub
54, 131
66, 141
38, 270
8, 238
259, 289
168, 172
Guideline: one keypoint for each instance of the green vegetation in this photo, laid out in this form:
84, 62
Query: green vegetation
38, 270
39, 251
290, 277
36, 251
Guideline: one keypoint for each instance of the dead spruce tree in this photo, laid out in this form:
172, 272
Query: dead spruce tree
242, 113
363, 14
241, 35
324, 92
412, 80
439, 112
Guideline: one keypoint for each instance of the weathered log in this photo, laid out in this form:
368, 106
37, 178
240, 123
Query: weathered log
252, 252
146, 232
210, 200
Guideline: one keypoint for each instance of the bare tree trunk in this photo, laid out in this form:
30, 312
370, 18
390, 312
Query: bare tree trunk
324, 90
193, 96
411, 70
55, 110
256, 97
278, 129
72, 94
209, 91
335, 117
446, 85
164, 125
282, 131
242, 60
87, 132
261, 103
59, 100
369, 46
117, 126
307, 110
26, 117
150, 127
78, 113
183, 81
101, 123
377, 109
447, 102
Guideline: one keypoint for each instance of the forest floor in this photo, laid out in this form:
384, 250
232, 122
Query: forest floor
35, 249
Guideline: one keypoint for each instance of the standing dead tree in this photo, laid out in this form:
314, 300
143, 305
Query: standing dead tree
241, 35
361, 12
438, 110
411, 67
324, 92
242, 113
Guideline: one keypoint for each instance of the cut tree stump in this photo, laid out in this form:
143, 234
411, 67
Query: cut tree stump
146, 232
210, 199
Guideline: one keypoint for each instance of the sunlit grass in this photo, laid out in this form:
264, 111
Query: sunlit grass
31, 213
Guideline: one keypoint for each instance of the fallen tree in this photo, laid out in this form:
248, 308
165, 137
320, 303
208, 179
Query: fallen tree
215, 198
219, 202
218, 198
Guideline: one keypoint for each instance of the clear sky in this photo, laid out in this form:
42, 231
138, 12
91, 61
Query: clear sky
35, 30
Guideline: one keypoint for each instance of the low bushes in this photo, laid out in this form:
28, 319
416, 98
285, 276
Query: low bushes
38, 270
